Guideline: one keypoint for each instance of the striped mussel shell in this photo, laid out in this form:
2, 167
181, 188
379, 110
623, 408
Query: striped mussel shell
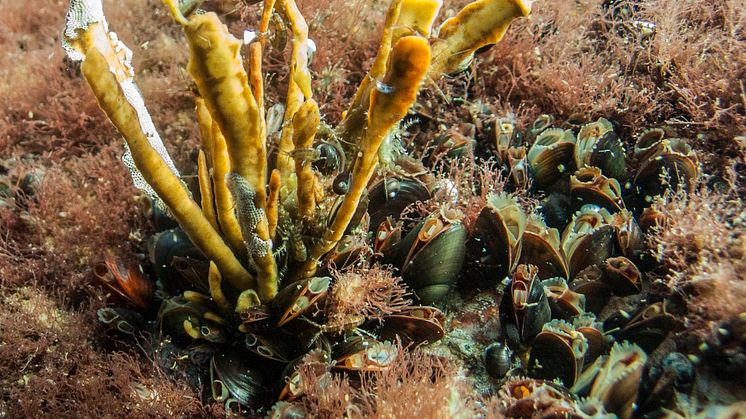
589, 186
587, 240
558, 353
551, 155
524, 308
598, 145
541, 247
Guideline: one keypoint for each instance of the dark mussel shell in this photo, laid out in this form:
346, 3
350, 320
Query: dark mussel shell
432, 255
389, 197
498, 359
270, 346
524, 308
414, 325
171, 253
452, 144
331, 158
564, 303
540, 246
630, 239
556, 209
614, 379
589, 186
180, 319
357, 353
674, 375
122, 320
127, 281
587, 240
233, 377
670, 165
558, 353
598, 146
529, 398
622, 276
387, 236
648, 327
299, 297
551, 155
590, 283
349, 250
496, 237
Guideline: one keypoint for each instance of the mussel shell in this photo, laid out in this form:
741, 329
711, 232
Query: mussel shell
174, 312
649, 327
268, 346
389, 197
122, 320
231, 372
357, 353
127, 281
519, 167
587, 240
495, 244
551, 155
622, 276
597, 145
675, 374
558, 352
589, 282
674, 166
433, 269
589, 186
299, 297
614, 379
331, 158
563, 302
524, 308
505, 133
414, 325
630, 239
498, 359
594, 335
540, 246
540, 124
556, 209
348, 251
163, 250
648, 143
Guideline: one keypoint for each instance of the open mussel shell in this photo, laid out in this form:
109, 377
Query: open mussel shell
587, 240
268, 346
590, 283
121, 320
524, 308
622, 276
180, 319
127, 281
593, 331
563, 302
348, 251
389, 197
598, 146
672, 166
293, 389
556, 209
558, 353
540, 246
630, 239
505, 137
551, 155
357, 353
451, 144
299, 297
614, 379
387, 236
432, 255
414, 325
172, 255
496, 237
543, 122
649, 143
648, 327
589, 186
232, 376
527, 398
519, 168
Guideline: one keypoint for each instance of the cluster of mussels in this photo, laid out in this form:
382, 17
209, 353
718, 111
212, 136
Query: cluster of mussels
578, 319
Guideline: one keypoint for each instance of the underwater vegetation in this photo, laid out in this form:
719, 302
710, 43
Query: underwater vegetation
413, 252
